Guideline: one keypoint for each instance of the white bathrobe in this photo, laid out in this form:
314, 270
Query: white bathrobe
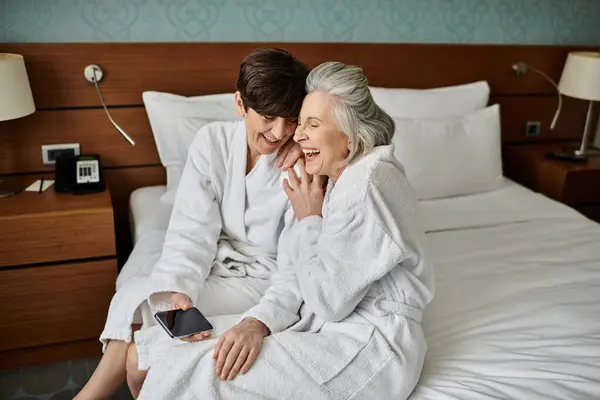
221, 244
344, 308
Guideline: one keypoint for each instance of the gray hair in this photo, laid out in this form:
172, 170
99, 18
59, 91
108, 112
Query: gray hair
357, 114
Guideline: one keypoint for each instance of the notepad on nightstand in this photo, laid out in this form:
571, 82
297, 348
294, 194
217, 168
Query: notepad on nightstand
35, 186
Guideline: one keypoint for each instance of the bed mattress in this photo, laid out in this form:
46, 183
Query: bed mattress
516, 314
149, 219
147, 213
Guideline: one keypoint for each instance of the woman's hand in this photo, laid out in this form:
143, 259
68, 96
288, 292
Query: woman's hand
288, 154
180, 301
237, 348
306, 195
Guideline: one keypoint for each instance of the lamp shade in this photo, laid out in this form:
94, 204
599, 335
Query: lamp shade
16, 99
581, 76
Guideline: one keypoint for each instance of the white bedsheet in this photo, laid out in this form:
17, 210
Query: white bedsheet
147, 213
516, 313
149, 219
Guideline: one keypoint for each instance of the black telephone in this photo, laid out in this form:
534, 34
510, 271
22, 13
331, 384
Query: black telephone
78, 174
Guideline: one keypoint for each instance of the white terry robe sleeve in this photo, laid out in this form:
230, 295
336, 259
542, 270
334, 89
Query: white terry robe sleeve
336, 261
278, 308
191, 240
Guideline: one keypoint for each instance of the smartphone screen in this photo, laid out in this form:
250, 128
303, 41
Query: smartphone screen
180, 323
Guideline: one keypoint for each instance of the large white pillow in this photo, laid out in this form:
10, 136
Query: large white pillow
454, 156
177, 150
175, 120
438, 102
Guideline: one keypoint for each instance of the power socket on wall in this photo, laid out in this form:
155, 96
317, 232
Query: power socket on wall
50, 152
533, 128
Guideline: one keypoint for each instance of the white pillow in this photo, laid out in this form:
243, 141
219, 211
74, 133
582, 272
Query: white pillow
175, 120
429, 103
177, 150
446, 157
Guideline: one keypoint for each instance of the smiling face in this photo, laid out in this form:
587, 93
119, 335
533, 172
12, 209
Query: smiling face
265, 134
324, 144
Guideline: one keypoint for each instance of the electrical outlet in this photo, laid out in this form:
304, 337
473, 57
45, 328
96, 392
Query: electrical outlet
533, 128
50, 152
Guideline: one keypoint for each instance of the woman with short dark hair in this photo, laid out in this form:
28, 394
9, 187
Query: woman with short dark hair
220, 247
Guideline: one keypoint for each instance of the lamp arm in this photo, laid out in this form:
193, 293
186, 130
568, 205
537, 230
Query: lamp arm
92, 76
559, 108
112, 121
521, 68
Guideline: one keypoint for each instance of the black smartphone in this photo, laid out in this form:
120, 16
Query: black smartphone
180, 324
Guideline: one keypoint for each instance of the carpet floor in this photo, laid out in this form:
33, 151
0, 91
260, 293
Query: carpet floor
60, 381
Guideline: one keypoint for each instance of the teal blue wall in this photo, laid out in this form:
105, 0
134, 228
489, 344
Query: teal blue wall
573, 22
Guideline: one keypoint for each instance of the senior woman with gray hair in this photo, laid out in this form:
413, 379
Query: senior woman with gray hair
342, 318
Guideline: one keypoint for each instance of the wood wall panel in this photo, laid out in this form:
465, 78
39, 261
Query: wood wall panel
21, 139
56, 70
517, 110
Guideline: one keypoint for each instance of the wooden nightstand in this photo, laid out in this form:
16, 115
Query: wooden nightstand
58, 269
576, 184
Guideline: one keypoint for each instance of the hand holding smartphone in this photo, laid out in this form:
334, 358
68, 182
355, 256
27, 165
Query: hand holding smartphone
180, 300
181, 324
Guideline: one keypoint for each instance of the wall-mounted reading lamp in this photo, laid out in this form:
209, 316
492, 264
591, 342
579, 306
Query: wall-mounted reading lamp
521, 68
580, 79
93, 74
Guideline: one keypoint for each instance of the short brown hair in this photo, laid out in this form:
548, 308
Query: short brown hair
272, 82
